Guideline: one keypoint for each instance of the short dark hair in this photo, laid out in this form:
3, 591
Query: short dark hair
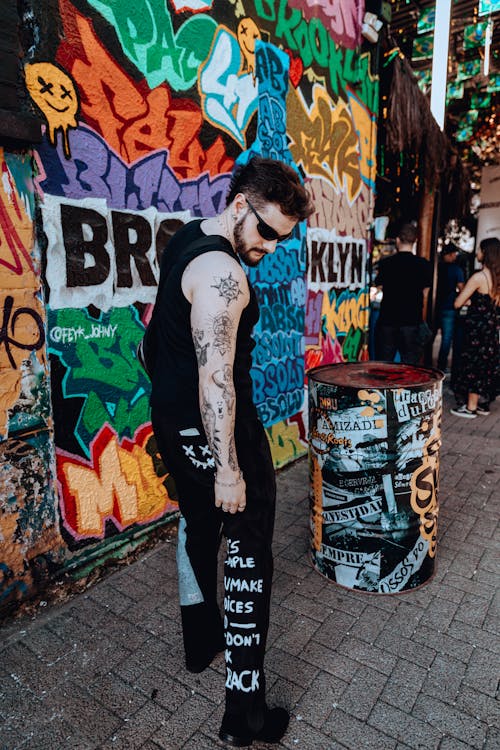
408, 233
271, 181
449, 248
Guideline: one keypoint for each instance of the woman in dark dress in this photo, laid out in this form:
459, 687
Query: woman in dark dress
478, 379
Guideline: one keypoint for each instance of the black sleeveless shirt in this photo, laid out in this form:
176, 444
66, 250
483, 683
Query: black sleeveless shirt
175, 368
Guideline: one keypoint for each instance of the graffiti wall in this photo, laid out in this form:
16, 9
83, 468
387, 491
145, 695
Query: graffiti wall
30, 542
147, 108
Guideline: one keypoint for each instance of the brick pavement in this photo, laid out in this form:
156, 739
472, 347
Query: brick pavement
419, 670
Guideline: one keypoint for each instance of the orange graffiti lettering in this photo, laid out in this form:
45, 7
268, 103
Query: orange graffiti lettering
119, 484
346, 311
133, 119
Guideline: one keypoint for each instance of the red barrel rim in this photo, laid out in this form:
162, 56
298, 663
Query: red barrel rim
374, 374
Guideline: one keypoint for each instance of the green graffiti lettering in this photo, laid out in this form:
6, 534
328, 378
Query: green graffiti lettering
314, 44
288, 20
102, 369
146, 34
318, 38
268, 14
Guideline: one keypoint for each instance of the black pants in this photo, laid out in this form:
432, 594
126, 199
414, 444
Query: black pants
248, 565
391, 339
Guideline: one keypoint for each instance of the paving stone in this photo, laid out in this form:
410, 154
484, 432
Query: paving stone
290, 667
324, 693
334, 629
137, 728
371, 656
198, 741
362, 692
302, 735
450, 721
284, 693
368, 627
451, 743
163, 689
444, 678
355, 734
481, 674
117, 696
440, 613
338, 599
475, 636
444, 644
404, 727
406, 619
183, 723
297, 635
83, 713
492, 739
304, 606
389, 641
408, 671
404, 684
483, 707
472, 610
329, 660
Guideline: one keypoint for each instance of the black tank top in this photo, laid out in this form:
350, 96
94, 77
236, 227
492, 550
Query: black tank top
175, 369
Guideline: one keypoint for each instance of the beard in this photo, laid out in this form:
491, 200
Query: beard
247, 254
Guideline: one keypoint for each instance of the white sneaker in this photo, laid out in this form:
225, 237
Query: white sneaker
463, 411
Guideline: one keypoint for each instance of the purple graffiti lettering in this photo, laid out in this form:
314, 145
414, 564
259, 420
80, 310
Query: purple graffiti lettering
313, 317
343, 18
96, 171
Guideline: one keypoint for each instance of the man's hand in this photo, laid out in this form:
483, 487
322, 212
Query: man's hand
230, 494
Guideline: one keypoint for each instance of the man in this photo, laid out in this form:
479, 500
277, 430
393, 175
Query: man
405, 280
450, 282
198, 349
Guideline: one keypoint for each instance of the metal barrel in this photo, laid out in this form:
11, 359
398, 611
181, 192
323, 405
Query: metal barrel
374, 439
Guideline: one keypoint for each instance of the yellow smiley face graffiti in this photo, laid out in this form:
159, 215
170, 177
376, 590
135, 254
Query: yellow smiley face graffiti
247, 34
54, 92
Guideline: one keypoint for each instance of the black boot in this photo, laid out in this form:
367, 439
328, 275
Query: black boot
236, 733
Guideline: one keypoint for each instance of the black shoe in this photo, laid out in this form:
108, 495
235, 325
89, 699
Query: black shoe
200, 663
275, 725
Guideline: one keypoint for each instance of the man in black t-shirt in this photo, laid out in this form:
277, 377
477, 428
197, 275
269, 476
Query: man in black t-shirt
199, 355
405, 280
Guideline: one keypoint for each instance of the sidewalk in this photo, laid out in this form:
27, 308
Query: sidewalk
357, 671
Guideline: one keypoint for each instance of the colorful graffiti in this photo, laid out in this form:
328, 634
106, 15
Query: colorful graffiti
133, 119
55, 94
342, 19
147, 108
28, 515
119, 484
228, 96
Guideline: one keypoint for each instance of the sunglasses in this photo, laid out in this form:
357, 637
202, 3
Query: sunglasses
265, 231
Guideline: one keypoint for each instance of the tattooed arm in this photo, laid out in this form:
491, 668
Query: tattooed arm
217, 289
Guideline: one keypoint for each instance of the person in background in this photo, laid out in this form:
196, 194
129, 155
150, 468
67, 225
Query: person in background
198, 351
478, 379
405, 280
450, 282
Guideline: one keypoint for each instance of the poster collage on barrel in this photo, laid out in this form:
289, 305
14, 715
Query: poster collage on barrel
374, 459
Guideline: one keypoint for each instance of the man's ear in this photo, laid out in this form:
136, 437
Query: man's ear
239, 205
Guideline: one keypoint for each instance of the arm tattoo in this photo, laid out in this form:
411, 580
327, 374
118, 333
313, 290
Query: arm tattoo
229, 288
233, 460
200, 349
222, 327
224, 380
208, 419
